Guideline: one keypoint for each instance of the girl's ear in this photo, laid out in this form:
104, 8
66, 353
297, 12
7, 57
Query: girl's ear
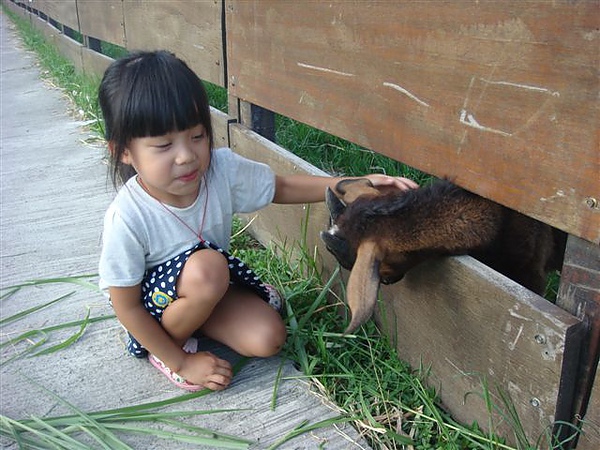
124, 157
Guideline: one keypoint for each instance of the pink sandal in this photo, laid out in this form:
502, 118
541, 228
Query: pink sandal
191, 346
275, 298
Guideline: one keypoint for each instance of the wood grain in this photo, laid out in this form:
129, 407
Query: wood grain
63, 11
468, 324
103, 20
192, 30
501, 96
590, 440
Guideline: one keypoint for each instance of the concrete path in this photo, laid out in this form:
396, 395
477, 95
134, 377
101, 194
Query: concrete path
54, 191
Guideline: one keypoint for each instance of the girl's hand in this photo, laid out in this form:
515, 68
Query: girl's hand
207, 370
402, 183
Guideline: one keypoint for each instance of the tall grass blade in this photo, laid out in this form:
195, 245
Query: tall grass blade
305, 427
26, 336
80, 280
215, 440
9, 293
69, 341
26, 312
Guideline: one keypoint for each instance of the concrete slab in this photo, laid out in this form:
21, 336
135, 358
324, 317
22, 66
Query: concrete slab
54, 192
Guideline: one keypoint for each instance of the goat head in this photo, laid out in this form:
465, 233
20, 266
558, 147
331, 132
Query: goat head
380, 234
356, 241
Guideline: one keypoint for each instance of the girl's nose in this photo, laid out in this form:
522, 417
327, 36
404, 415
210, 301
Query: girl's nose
185, 154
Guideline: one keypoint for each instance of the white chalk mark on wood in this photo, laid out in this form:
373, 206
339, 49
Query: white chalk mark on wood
512, 345
407, 93
469, 120
458, 369
514, 313
559, 194
325, 69
522, 86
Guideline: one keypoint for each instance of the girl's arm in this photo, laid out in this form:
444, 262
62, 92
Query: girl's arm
131, 313
311, 189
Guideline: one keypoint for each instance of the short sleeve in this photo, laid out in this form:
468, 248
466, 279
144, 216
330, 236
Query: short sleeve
122, 260
252, 183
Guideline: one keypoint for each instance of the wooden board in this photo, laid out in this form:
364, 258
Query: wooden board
591, 426
102, 20
94, 63
502, 96
62, 11
468, 323
67, 47
220, 124
70, 49
17, 10
579, 294
192, 30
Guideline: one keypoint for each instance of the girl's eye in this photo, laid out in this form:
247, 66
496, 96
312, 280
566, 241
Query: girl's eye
198, 137
164, 146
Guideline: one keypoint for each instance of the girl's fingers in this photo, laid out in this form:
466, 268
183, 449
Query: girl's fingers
398, 182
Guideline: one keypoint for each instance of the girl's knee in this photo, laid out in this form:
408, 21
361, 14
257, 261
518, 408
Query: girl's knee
267, 340
205, 272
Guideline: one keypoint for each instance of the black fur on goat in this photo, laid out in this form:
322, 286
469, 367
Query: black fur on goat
381, 233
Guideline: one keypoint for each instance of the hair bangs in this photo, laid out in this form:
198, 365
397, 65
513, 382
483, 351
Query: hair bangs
160, 108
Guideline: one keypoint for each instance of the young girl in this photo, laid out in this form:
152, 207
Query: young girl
164, 258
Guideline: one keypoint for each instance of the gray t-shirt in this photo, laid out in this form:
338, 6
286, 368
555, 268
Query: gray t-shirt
139, 233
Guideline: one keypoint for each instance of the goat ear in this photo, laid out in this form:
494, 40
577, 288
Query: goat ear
334, 204
350, 189
363, 284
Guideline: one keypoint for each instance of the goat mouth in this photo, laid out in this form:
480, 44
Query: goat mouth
391, 280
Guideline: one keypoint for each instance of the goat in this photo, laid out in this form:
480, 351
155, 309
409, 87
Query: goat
379, 234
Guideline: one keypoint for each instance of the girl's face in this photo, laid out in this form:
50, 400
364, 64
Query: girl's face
171, 166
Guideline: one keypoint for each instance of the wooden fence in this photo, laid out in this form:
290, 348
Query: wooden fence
502, 96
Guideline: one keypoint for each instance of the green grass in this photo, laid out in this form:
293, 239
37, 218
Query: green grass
386, 399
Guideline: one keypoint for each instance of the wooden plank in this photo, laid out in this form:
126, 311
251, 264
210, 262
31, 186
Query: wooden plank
63, 11
102, 20
502, 96
21, 12
590, 440
67, 47
70, 49
579, 294
468, 323
94, 63
220, 124
192, 30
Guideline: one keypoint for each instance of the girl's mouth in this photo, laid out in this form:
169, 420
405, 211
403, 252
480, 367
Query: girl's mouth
189, 177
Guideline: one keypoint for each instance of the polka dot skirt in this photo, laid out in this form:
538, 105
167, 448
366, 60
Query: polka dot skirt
159, 286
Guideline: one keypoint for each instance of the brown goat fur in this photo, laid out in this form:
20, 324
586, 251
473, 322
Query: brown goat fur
380, 234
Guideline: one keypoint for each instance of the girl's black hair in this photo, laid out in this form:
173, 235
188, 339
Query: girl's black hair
149, 94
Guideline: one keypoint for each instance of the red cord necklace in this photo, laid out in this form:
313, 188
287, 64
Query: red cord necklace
166, 208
